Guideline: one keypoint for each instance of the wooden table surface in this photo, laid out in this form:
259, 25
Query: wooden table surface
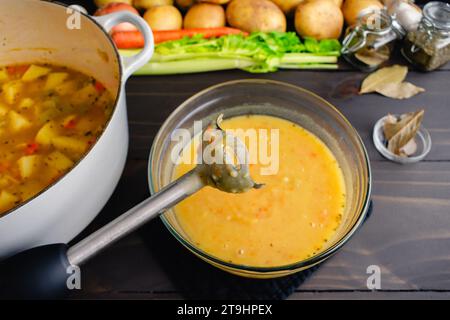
407, 236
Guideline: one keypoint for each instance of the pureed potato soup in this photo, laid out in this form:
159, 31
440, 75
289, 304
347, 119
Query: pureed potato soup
291, 218
49, 118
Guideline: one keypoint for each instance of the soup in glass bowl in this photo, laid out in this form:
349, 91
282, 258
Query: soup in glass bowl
303, 214
290, 218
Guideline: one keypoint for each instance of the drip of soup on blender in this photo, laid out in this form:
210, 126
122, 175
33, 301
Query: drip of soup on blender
292, 217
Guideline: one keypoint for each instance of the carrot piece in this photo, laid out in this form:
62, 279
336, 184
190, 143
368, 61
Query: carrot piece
17, 70
31, 148
99, 86
91, 141
134, 39
71, 124
4, 166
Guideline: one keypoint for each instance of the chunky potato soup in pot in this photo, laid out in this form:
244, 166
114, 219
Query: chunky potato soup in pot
49, 117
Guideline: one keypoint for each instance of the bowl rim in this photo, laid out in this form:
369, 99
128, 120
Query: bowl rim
106, 126
306, 263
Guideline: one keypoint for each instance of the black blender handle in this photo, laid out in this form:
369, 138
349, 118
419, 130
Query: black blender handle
46, 273
37, 273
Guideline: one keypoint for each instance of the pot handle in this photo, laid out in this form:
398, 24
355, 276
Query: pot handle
133, 63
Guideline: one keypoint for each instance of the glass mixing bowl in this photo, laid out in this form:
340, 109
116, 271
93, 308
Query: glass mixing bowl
281, 100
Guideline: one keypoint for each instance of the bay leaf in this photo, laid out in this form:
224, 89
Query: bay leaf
372, 57
409, 148
391, 126
403, 90
393, 74
405, 130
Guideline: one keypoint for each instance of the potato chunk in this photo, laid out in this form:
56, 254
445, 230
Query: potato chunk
34, 72
4, 181
55, 79
3, 75
47, 133
28, 165
65, 88
7, 200
26, 103
85, 95
12, 90
17, 122
59, 161
69, 144
3, 110
7, 180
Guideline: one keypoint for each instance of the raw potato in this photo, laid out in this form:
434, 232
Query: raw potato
164, 18
184, 4
288, 6
147, 4
215, 1
205, 15
115, 7
255, 15
102, 3
352, 9
319, 19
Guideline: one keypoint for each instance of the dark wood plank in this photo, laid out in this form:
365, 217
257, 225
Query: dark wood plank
152, 99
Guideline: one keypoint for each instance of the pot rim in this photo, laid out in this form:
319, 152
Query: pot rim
303, 264
116, 102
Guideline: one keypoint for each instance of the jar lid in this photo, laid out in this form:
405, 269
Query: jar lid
438, 13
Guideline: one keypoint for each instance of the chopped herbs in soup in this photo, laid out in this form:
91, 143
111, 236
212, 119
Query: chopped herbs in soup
49, 118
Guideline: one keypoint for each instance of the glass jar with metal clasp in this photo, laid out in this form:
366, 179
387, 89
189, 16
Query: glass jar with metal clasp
428, 47
370, 42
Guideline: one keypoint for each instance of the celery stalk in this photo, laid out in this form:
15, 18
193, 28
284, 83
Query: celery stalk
307, 58
309, 66
192, 66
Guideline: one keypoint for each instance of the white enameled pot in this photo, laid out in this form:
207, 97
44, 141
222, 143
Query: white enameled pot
40, 31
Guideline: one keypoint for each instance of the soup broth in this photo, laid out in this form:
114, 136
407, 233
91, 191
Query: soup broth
49, 118
290, 219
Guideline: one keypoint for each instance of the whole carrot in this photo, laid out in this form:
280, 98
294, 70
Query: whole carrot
161, 36
128, 39
134, 39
